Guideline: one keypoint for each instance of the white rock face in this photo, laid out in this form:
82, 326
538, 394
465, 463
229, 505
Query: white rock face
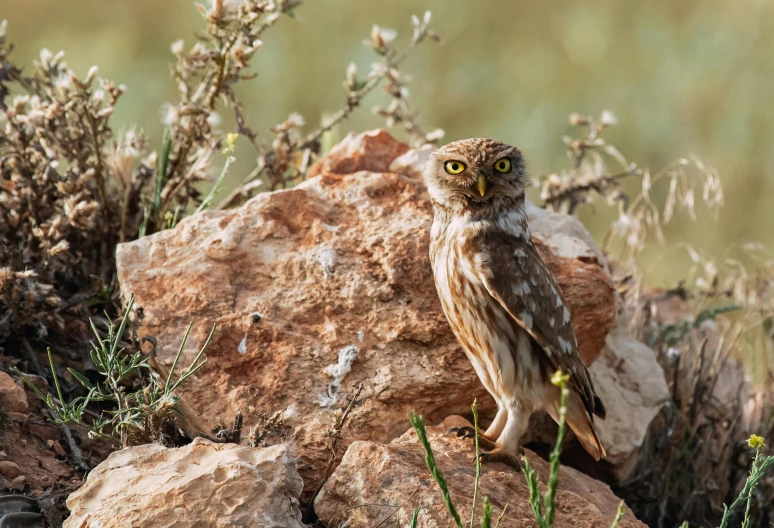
201, 484
629, 379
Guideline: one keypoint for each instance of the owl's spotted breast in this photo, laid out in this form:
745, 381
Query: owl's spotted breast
500, 349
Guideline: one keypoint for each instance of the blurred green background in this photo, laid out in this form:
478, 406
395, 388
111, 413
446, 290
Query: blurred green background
687, 77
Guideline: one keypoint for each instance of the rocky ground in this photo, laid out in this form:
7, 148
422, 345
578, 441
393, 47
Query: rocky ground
323, 295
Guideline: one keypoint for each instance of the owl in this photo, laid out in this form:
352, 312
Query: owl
501, 301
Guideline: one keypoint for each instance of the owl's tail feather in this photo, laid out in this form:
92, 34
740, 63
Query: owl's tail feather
581, 423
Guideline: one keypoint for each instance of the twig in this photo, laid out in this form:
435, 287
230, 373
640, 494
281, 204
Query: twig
397, 509
99, 170
354, 98
599, 184
502, 514
335, 435
75, 451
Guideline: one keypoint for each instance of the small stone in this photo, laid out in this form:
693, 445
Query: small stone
58, 449
12, 395
9, 470
45, 431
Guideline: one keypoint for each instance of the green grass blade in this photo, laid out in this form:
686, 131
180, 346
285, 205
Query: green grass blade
415, 518
419, 426
161, 173
619, 514
56, 378
486, 520
478, 465
124, 320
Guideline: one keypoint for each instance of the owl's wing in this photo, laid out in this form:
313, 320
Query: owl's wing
516, 276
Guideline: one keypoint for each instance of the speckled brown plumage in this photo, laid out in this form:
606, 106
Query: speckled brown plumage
500, 299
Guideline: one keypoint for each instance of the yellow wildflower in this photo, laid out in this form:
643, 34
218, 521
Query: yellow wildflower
559, 378
228, 146
755, 441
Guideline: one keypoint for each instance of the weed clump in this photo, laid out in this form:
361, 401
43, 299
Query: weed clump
139, 415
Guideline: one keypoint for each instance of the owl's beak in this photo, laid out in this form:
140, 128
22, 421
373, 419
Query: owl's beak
481, 184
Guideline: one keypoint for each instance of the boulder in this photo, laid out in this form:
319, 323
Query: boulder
630, 380
376, 481
201, 484
319, 288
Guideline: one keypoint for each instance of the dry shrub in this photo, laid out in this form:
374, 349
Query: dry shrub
71, 187
695, 455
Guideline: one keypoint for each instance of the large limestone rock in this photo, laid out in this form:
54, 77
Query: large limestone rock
201, 484
318, 288
630, 380
378, 481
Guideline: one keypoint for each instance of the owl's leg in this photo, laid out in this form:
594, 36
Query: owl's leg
498, 424
507, 448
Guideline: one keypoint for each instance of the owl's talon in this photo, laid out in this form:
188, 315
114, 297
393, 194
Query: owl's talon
469, 432
500, 455
462, 432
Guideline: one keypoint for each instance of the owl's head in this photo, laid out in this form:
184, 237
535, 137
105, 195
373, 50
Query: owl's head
475, 173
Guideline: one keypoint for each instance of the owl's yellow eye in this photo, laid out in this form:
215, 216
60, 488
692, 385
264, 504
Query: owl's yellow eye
503, 165
454, 167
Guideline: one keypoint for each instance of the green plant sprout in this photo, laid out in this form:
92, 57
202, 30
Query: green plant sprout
759, 467
139, 415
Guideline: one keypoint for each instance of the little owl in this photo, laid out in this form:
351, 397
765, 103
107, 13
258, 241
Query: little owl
500, 299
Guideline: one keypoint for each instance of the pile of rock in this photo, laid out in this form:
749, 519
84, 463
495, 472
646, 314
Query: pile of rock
324, 287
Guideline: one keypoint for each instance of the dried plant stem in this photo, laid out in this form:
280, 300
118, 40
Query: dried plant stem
599, 185
502, 514
354, 98
99, 169
335, 435
75, 451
